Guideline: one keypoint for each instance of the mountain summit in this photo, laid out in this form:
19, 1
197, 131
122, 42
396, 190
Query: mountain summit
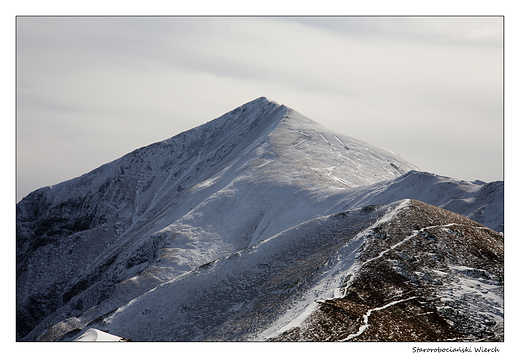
245, 190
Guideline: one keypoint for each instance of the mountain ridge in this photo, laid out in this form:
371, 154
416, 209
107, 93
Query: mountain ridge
91, 244
417, 289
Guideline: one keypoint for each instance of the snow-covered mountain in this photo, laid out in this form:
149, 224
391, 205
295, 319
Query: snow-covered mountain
214, 225
359, 262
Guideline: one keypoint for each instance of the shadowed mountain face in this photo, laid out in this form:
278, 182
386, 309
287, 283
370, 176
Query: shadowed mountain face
217, 196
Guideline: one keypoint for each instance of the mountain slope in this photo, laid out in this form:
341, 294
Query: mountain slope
408, 255
90, 245
479, 201
98, 226
425, 275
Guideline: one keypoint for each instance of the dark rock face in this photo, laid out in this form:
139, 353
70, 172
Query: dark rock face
426, 275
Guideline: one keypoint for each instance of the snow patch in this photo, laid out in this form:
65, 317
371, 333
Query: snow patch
95, 335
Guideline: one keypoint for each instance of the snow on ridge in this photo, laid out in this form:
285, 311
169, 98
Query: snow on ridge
216, 190
260, 106
482, 202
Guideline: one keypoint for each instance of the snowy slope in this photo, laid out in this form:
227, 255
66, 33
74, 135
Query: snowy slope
479, 201
244, 172
232, 298
90, 245
275, 286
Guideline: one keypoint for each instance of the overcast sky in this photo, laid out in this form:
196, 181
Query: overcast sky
91, 89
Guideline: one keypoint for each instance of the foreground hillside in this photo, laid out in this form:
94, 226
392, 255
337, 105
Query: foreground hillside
425, 275
407, 271
212, 197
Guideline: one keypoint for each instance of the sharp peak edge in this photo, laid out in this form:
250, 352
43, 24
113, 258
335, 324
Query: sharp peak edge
262, 99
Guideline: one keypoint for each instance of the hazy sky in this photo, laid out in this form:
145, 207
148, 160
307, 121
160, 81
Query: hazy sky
91, 89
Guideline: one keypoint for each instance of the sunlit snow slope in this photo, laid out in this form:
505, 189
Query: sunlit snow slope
90, 245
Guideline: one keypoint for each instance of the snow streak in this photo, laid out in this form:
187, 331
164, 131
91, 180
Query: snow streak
366, 316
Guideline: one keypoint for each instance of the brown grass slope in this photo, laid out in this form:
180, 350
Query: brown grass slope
427, 274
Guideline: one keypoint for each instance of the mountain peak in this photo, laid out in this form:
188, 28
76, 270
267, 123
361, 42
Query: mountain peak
248, 114
234, 187
258, 102
263, 99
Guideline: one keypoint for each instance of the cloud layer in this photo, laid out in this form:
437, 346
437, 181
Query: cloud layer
91, 89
